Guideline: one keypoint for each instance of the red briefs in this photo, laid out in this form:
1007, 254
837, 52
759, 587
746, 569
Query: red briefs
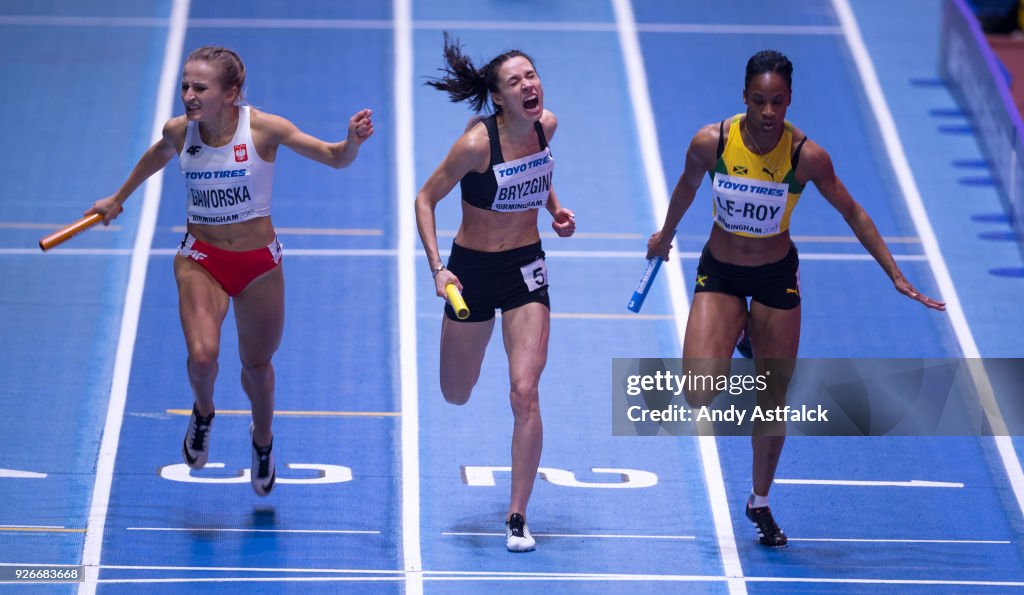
233, 270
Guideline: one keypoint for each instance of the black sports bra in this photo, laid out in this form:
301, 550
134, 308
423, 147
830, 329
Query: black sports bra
511, 186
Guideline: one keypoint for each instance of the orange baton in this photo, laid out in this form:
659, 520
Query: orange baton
64, 234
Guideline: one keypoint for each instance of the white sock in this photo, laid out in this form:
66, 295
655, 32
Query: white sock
756, 501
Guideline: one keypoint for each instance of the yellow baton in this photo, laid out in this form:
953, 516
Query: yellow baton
455, 299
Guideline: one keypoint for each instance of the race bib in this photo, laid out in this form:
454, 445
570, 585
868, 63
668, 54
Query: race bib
749, 207
535, 274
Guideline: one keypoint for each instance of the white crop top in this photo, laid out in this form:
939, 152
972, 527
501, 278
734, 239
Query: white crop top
228, 184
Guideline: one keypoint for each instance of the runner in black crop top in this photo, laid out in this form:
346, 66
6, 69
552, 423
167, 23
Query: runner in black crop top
497, 252
531, 174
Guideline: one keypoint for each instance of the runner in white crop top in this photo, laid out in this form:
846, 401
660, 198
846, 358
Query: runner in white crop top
226, 184
227, 151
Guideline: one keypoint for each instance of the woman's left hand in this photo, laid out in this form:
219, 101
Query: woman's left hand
564, 222
903, 286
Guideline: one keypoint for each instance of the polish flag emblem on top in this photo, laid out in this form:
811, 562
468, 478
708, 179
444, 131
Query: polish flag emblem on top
241, 154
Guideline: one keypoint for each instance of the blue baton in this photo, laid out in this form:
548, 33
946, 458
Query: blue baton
640, 293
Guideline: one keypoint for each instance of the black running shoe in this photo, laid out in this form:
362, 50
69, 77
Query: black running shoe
743, 344
768, 533
196, 447
517, 535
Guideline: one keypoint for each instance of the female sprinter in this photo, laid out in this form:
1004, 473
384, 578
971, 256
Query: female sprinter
226, 150
759, 164
503, 166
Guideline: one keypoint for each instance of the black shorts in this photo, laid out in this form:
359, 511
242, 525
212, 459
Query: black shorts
776, 285
505, 280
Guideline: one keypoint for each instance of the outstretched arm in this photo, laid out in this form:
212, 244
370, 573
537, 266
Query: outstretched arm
817, 166
337, 155
700, 158
152, 161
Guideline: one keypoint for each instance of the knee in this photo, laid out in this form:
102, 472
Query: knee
524, 399
457, 388
257, 368
700, 397
456, 395
202, 360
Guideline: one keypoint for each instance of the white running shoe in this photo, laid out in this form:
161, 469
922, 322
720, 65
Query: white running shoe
263, 474
517, 535
196, 447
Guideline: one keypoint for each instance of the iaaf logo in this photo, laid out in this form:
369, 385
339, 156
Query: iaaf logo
241, 154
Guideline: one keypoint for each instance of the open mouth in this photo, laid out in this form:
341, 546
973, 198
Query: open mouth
531, 102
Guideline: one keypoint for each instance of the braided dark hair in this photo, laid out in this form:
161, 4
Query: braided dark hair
463, 81
769, 61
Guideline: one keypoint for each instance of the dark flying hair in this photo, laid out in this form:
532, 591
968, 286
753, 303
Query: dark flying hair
769, 61
462, 81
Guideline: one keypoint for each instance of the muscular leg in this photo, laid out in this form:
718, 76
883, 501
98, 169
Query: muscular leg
525, 333
712, 328
463, 345
202, 305
775, 336
259, 316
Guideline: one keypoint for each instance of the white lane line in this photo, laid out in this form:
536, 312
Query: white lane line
405, 190
786, 30
439, 25
552, 577
643, 113
73, 21
567, 26
609, 316
15, 474
574, 535
230, 530
388, 252
67, 252
244, 23
448, 233
255, 579
93, 546
913, 483
441, 575
53, 226
248, 569
850, 239
936, 541
915, 205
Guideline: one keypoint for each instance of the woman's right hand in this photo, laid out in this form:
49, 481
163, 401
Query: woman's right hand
109, 207
442, 279
657, 246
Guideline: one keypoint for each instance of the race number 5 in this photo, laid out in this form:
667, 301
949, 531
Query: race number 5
535, 274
